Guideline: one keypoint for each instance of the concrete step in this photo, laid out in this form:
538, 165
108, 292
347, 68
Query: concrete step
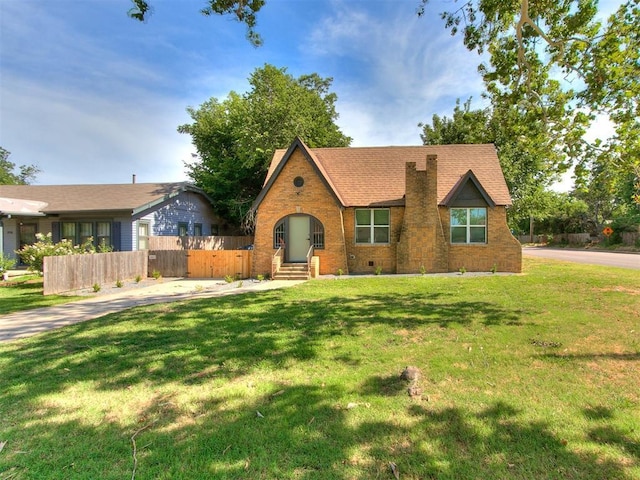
292, 271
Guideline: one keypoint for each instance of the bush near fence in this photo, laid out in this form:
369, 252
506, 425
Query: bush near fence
74, 272
199, 243
630, 238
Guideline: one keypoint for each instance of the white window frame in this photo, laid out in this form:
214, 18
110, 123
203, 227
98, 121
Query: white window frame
145, 237
372, 226
468, 226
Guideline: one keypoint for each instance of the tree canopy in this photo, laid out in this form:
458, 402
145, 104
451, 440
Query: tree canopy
236, 137
559, 62
523, 148
244, 11
25, 175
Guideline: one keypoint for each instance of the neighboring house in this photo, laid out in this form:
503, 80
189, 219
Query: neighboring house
123, 215
390, 209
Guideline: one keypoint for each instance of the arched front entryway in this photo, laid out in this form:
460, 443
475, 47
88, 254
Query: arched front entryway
296, 234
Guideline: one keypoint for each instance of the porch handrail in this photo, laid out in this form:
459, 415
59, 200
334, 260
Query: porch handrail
276, 262
309, 256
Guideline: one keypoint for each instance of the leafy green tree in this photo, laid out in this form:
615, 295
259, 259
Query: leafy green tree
557, 59
567, 214
236, 137
26, 174
244, 11
524, 147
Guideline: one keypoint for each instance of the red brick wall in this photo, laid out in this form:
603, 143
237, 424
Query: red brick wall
359, 257
313, 198
419, 234
502, 249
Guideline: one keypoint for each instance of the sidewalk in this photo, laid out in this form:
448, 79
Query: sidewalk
31, 322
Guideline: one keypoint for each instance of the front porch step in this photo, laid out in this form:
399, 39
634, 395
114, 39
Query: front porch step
292, 271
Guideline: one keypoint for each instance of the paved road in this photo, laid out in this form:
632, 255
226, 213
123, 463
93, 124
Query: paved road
592, 257
31, 322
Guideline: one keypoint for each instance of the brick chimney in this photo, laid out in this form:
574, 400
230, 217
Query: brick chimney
422, 243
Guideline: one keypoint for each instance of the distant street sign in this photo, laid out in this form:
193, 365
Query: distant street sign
607, 231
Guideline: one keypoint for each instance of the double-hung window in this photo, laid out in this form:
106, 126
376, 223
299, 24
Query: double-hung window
372, 225
143, 236
85, 229
468, 225
69, 232
103, 234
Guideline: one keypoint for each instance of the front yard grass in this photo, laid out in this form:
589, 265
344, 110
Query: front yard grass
523, 377
24, 293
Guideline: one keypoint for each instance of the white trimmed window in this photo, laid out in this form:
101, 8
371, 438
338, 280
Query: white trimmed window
372, 225
143, 236
468, 225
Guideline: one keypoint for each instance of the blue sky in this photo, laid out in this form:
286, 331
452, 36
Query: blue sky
91, 96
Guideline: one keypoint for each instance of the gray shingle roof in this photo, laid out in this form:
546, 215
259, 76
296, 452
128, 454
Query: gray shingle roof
92, 198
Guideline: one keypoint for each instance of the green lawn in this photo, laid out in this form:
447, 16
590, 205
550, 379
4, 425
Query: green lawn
534, 376
24, 293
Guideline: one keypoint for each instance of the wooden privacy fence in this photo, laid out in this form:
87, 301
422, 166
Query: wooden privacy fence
74, 272
199, 243
201, 263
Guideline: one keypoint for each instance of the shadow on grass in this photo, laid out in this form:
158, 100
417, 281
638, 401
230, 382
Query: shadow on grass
17, 296
183, 341
302, 434
302, 431
631, 357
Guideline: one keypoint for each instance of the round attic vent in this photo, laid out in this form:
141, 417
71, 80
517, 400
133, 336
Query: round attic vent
298, 182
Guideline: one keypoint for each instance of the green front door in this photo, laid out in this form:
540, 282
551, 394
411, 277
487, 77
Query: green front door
299, 238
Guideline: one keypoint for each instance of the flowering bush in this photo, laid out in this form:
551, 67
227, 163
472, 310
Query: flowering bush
33, 255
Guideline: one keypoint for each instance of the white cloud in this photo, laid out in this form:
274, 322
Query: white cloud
403, 70
76, 137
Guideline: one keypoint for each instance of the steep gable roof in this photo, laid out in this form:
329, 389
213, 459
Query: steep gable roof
375, 176
283, 156
460, 187
132, 197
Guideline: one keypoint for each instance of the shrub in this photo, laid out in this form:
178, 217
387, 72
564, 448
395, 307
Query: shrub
96, 287
378, 270
156, 274
462, 270
119, 283
33, 255
104, 248
6, 263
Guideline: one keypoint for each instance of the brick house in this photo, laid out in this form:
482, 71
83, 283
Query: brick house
390, 209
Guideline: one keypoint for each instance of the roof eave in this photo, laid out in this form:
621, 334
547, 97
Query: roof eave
297, 143
455, 190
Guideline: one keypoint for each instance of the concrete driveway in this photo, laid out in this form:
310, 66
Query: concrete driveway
31, 322
592, 257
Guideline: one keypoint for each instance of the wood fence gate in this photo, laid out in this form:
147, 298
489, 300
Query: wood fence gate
218, 263
201, 263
